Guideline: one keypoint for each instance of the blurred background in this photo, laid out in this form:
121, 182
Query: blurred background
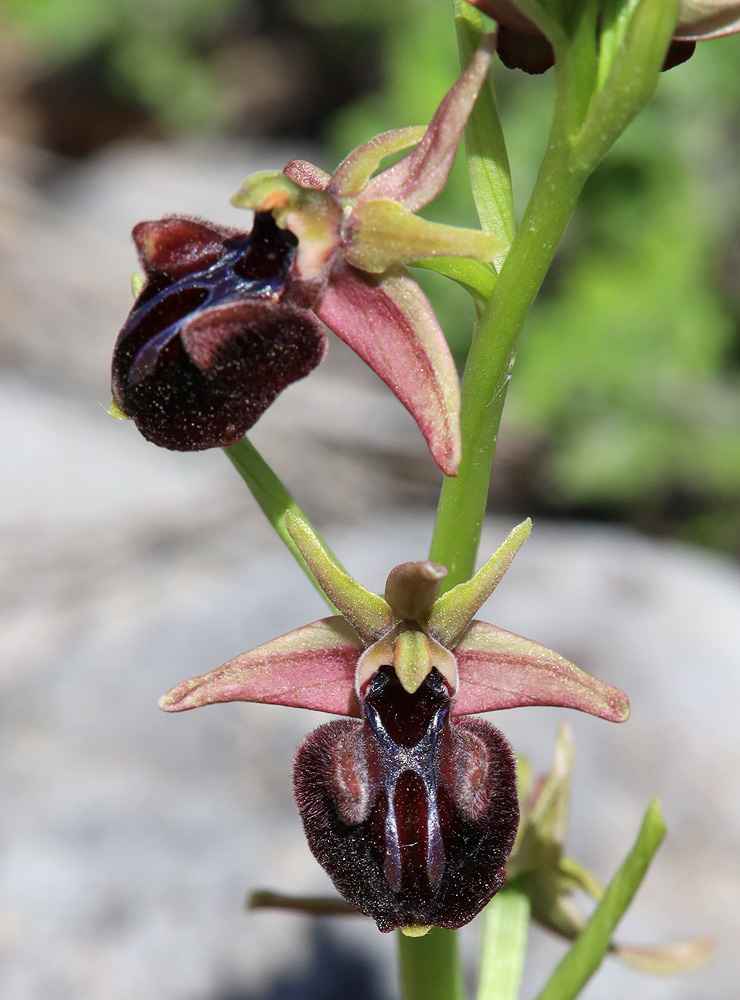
127, 840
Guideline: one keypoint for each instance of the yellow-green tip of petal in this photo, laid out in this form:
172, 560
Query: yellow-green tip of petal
416, 930
266, 191
114, 410
137, 283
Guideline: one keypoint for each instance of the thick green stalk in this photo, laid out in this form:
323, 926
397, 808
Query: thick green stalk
430, 966
463, 499
503, 945
274, 498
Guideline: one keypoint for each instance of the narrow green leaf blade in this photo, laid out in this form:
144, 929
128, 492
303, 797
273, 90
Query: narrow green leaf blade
474, 276
503, 945
589, 948
488, 161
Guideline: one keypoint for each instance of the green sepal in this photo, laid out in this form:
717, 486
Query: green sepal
455, 610
385, 233
368, 613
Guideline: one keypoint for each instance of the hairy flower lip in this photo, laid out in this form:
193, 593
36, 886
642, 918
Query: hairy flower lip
215, 334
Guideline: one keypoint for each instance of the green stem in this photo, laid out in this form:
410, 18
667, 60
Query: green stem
503, 945
463, 499
275, 499
430, 966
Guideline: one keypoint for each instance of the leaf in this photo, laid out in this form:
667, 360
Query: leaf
592, 944
503, 945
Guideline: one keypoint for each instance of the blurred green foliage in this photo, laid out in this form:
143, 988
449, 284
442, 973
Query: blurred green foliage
155, 50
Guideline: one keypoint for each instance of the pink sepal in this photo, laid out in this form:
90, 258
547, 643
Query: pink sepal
312, 667
498, 669
388, 321
419, 177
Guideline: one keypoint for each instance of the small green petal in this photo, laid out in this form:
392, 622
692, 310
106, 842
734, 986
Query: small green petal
384, 233
137, 283
368, 613
412, 660
454, 610
114, 410
355, 171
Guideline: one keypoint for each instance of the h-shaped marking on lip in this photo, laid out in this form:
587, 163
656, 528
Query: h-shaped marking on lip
419, 760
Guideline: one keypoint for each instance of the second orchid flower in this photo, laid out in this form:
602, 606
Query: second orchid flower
412, 811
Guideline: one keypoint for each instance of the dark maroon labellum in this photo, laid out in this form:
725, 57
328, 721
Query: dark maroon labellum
216, 334
411, 814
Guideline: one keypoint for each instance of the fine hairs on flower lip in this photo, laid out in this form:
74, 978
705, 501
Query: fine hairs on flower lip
414, 803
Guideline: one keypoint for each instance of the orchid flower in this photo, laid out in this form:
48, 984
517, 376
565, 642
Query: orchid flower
227, 319
413, 810
521, 44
